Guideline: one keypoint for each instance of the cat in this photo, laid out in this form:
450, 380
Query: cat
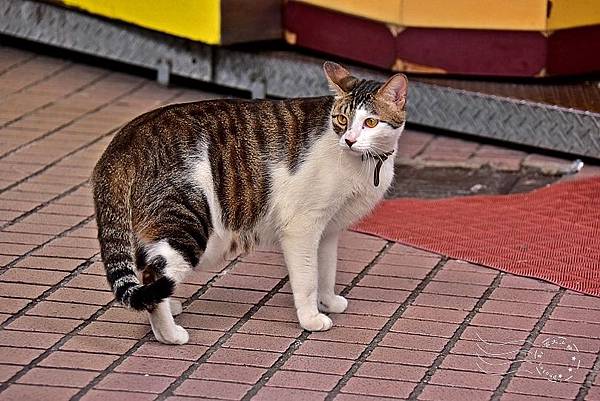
185, 185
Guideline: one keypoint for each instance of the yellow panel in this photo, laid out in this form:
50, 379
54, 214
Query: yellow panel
476, 14
383, 10
193, 19
572, 13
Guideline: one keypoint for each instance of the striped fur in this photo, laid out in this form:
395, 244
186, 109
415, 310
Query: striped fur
185, 184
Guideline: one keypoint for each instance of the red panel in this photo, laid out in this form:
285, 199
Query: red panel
341, 35
474, 51
574, 51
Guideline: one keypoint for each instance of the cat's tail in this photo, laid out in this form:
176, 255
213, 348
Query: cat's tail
112, 193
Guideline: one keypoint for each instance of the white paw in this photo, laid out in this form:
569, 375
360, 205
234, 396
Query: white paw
334, 304
318, 322
175, 335
176, 307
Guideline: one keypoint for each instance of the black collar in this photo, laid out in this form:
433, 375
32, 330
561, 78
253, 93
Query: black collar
379, 158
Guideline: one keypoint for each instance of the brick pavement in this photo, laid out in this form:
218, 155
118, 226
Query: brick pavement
418, 326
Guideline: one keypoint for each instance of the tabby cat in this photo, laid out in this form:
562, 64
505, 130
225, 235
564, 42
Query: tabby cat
183, 186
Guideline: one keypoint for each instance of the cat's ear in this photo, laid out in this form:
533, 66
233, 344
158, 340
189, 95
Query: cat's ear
394, 90
340, 80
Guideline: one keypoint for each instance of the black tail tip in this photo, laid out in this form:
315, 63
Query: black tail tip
148, 296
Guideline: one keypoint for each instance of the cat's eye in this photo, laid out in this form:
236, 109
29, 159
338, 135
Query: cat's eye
371, 122
341, 119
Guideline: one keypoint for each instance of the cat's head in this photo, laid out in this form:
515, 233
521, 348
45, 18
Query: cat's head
367, 116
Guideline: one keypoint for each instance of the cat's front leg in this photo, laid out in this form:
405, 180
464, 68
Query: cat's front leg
328, 301
300, 252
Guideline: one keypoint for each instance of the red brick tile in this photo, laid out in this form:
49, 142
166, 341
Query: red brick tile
120, 314
425, 327
445, 301
434, 314
268, 258
520, 295
60, 309
398, 271
576, 314
50, 263
107, 395
494, 335
212, 389
29, 339
593, 394
493, 349
304, 380
78, 360
139, 383
14, 249
230, 373
390, 371
233, 295
523, 397
243, 282
578, 329
513, 308
12, 305
371, 308
260, 270
346, 335
317, 364
512, 281
244, 357
427, 261
194, 321
455, 289
402, 356
369, 294
503, 321
278, 393
102, 345
119, 330
203, 337
82, 296
458, 276
281, 299
207, 307
282, 329
257, 342
579, 301
187, 352
359, 397
33, 276
454, 378
463, 266
62, 377
18, 356
330, 349
435, 393
8, 371
411, 341
18, 290
356, 255
542, 387
35, 393
44, 324
276, 313
89, 282
394, 283
472, 363
359, 321
378, 387
153, 366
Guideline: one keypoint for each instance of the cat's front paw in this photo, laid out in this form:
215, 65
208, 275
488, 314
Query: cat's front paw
176, 335
318, 322
333, 304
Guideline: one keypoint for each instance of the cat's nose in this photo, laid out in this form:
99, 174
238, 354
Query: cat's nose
350, 143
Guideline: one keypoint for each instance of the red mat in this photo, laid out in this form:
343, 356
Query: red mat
551, 233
